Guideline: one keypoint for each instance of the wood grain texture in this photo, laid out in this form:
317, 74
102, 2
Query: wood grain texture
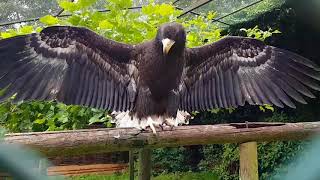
76, 170
79, 142
145, 164
249, 161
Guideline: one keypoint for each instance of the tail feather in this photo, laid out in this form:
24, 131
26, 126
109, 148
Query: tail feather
126, 119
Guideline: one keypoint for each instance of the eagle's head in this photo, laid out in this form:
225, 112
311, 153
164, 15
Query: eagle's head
172, 38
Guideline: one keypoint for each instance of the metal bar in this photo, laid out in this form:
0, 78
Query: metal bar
198, 5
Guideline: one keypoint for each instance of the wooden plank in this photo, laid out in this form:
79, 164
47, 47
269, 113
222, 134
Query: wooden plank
145, 164
74, 170
248, 161
79, 142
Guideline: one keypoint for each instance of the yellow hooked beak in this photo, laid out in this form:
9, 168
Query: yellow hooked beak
167, 44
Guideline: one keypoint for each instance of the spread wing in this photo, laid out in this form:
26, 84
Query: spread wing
72, 65
236, 70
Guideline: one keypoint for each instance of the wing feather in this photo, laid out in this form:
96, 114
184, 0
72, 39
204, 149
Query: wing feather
69, 64
236, 70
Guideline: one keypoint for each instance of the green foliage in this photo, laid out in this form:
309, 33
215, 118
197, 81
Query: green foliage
2, 132
21, 31
51, 116
167, 160
266, 107
49, 20
259, 34
171, 176
80, 5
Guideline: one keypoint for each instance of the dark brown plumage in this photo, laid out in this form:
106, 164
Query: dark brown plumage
152, 79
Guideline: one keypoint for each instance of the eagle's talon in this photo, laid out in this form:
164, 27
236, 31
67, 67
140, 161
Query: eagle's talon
151, 123
162, 126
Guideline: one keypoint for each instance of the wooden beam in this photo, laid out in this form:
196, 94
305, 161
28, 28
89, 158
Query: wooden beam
145, 164
249, 161
79, 142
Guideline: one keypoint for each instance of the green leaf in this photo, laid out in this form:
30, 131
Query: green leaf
3, 91
105, 24
262, 109
96, 118
63, 117
270, 107
49, 20
74, 20
26, 29
211, 15
85, 3
214, 111
68, 6
39, 29
266, 106
39, 121
5, 35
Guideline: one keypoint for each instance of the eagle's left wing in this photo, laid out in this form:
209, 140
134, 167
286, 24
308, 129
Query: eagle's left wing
70, 64
236, 70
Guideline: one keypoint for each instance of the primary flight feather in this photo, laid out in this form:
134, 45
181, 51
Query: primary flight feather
155, 82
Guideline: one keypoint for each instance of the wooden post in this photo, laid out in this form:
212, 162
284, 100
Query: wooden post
145, 164
248, 161
131, 165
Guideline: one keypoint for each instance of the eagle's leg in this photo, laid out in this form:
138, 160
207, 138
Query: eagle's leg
146, 109
170, 122
173, 103
172, 108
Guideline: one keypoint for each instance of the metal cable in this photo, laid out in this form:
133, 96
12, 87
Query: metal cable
236, 11
197, 14
195, 7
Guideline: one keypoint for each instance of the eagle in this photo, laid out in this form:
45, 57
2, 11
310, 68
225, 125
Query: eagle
154, 83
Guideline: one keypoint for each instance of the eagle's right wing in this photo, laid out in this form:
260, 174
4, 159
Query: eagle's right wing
70, 64
235, 70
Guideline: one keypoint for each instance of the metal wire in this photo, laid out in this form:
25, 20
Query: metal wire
197, 14
174, 2
236, 11
195, 7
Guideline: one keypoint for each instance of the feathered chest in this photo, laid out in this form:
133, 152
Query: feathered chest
161, 73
